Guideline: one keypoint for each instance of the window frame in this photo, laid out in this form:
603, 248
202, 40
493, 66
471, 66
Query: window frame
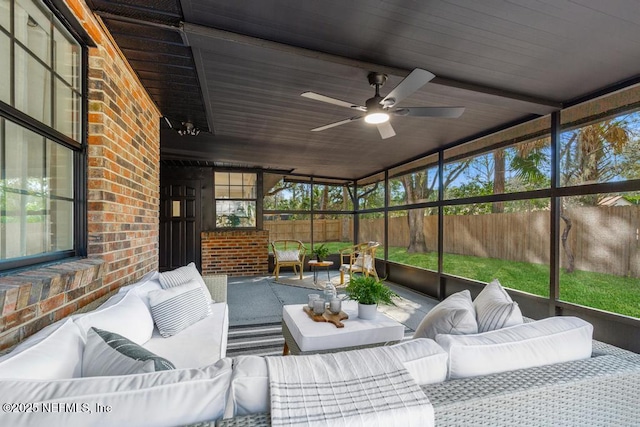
236, 199
60, 18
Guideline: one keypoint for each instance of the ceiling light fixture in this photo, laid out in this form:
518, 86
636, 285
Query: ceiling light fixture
376, 113
376, 117
188, 129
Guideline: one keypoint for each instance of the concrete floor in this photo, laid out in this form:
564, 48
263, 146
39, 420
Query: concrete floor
258, 300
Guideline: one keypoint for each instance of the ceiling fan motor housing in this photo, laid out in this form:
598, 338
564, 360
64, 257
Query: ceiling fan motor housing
377, 79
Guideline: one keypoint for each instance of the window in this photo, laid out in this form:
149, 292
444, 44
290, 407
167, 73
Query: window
235, 195
38, 153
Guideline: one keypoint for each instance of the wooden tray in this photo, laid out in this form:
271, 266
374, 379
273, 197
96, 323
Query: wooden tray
327, 316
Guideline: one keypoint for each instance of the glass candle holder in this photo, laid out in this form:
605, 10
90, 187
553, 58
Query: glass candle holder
335, 305
318, 306
311, 298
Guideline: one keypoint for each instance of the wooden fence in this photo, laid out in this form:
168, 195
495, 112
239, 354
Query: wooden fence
603, 239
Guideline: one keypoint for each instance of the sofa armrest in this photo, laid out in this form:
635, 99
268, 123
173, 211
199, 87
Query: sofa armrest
217, 285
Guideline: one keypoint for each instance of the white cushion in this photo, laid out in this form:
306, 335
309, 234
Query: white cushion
201, 344
453, 315
543, 342
168, 398
249, 393
54, 352
129, 317
288, 255
425, 360
249, 389
495, 309
177, 308
107, 353
182, 275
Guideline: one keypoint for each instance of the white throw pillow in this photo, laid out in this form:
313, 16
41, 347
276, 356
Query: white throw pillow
292, 255
168, 398
177, 308
54, 352
128, 317
107, 353
182, 275
543, 342
495, 309
454, 315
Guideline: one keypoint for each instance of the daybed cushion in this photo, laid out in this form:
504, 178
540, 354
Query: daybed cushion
425, 360
168, 398
54, 352
182, 275
177, 308
543, 342
495, 309
128, 317
454, 315
198, 345
107, 353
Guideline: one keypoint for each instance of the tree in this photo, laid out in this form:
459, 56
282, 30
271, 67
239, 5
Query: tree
588, 154
418, 187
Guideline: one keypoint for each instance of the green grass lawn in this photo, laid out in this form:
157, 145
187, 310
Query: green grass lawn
597, 290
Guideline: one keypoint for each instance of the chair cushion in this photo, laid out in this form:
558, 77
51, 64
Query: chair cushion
495, 309
178, 307
107, 353
543, 342
54, 352
292, 255
454, 315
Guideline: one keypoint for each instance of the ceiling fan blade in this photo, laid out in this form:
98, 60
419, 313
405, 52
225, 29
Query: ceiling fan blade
414, 81
328, 100
386, 130
341, 122
446, 112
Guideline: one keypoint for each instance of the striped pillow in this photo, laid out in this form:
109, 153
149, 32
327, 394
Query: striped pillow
495, 309
177, 308
182, 275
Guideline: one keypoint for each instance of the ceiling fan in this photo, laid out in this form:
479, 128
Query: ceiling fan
378, 109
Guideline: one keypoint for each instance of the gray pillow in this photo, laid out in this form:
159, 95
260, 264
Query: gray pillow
455, 315
107, 354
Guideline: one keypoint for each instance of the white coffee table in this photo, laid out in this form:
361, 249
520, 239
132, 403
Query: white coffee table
302, 335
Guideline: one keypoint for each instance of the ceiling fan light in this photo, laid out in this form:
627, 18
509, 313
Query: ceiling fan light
376, 118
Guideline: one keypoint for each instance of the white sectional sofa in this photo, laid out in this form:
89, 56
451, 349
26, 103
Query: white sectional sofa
539, 373
49, 371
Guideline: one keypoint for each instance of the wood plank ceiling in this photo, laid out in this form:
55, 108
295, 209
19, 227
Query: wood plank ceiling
236, 69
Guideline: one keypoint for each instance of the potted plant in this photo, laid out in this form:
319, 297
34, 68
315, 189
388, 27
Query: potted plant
321, 252
369, 292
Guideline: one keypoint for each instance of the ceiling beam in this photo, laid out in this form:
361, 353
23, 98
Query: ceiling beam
199, 36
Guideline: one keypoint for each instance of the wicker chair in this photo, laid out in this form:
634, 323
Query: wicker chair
288, 253
360, 258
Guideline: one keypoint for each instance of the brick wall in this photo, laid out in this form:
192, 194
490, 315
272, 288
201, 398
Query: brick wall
235, 253
122, 199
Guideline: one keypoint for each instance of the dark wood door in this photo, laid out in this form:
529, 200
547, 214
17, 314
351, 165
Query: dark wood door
179, 223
